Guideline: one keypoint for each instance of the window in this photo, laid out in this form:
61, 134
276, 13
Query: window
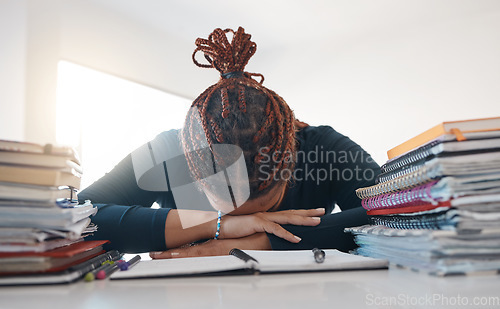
105, 117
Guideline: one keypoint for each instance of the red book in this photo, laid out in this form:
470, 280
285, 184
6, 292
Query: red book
49, 261
406, 209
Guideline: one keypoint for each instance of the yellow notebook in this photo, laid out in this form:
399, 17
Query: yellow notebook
456, 128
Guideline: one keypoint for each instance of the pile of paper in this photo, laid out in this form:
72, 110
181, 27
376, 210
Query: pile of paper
39, 209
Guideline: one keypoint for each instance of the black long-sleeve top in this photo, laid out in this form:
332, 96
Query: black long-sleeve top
329, 168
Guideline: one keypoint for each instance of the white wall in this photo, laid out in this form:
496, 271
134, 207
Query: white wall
42, 56
383, 72
12, 68
103, 39
386, 87
88, 35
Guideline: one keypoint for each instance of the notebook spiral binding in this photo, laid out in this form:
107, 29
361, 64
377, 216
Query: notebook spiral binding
409, 158
410, 197
398, 173
418, 177
437, 221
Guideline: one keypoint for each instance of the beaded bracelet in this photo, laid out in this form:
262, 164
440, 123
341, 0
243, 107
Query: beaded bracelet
217, 233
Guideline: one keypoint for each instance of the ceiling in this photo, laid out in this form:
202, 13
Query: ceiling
290, 23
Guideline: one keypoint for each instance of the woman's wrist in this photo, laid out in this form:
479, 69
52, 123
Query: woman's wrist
209, 227
186, 226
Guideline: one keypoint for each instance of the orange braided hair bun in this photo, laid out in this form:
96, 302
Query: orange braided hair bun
239, 110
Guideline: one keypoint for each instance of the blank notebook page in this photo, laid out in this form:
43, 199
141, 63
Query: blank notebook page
303, 260
181, 266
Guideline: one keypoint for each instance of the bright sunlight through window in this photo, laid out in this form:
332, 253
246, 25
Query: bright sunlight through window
105, 117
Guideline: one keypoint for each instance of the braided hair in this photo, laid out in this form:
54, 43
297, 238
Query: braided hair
239, 110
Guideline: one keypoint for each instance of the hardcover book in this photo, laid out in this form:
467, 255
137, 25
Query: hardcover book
456, 128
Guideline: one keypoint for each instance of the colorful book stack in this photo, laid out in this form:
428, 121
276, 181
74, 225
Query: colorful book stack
42, 226
436, 205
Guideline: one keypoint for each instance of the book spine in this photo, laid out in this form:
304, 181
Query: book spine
411, 197
409, 158
411, 180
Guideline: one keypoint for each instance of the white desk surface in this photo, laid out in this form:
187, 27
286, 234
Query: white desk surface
348, 289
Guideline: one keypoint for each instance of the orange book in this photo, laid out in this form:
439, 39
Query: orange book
456, 128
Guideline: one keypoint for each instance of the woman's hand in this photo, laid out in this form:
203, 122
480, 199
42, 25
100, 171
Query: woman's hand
177, 234
269, 222
212, 247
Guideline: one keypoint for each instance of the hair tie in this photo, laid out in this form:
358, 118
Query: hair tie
233, 74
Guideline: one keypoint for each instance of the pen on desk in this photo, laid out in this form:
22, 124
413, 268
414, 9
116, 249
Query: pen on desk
107, 271
241, 255
130, 263
319, 255
103, 260
90, 276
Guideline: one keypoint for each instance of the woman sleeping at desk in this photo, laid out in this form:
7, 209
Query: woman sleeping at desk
242, 172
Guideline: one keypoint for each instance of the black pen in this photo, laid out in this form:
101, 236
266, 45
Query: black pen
129, 263
241, 255
319, 255
93, 269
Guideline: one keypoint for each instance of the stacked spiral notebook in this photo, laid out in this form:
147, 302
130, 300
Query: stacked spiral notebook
42, 226
436, 204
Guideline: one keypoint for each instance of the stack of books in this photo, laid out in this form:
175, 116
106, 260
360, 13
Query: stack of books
436, 205
42, 226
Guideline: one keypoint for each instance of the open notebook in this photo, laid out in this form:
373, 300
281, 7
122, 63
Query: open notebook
259, 261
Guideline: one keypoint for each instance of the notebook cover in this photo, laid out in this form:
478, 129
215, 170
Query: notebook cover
50, 149
439, 220
40, 176
40, 160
